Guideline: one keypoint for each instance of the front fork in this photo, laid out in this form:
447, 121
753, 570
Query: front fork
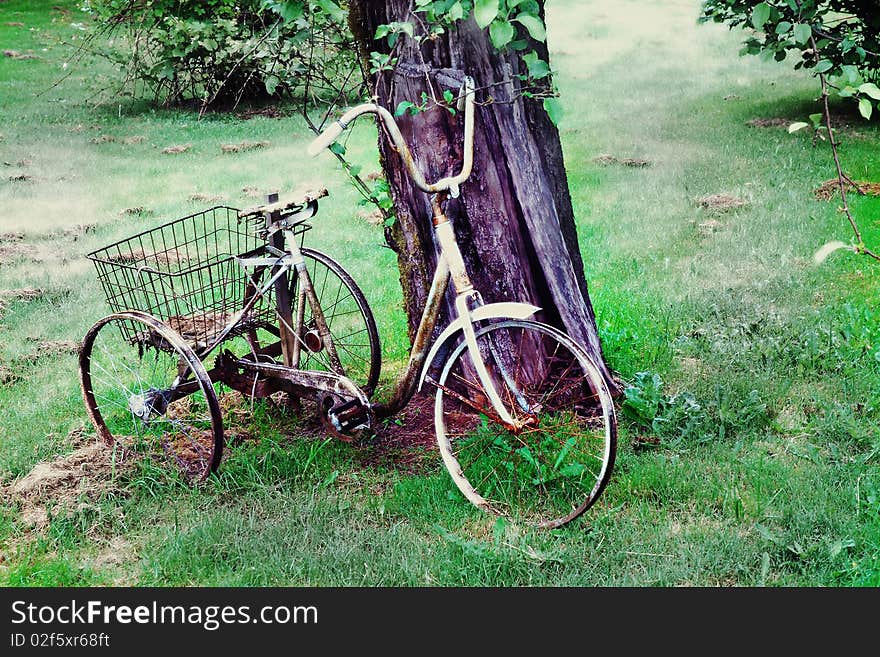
466, 299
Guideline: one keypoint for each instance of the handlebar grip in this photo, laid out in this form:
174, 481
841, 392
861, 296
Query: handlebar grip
326, 138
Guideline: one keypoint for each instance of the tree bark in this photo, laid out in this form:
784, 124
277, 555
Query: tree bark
514, 218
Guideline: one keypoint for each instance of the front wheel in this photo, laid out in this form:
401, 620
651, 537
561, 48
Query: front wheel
145, 389
553, 463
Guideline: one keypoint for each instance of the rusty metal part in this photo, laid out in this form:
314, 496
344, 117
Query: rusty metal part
308, 331
346, 420
191, 376
406, 385
485, 409
273, 206
250, 384
282, 287
300, 319
318, 317
437, 201
312, 341
303, 383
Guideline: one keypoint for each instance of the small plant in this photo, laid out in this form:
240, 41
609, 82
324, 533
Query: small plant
681, 417
675, 417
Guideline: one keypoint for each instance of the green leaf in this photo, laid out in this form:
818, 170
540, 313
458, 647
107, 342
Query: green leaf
501, 33
538, 68
526, 454
865, 108
573, 470
499, 529
798, 125
823, 66
455, 12
840, 545
271, 83
403, 107
760, 15
851, 73
554, 110
485, 12
782, 28
802, 33
289, 11
816, 119
870, 89
333, 9
533, 26
566, 448
337, 148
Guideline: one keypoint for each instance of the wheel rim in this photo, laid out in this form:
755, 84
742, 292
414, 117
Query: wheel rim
552, 467
348, 318
145, 389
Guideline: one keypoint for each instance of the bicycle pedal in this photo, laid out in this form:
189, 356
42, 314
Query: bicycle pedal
349, 416
347, 420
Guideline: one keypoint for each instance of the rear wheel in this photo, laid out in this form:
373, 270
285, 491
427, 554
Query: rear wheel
349, 320
145, 389
554, 462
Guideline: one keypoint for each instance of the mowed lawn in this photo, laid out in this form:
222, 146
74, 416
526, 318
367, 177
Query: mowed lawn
750, 448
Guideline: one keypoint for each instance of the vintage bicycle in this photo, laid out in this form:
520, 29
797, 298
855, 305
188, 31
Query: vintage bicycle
524, 421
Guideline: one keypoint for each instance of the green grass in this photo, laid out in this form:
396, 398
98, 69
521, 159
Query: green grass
775, 480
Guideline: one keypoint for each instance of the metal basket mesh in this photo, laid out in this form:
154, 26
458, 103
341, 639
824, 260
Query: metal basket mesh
184, 272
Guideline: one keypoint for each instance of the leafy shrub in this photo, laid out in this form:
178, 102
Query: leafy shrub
838, 38
681, 417
675, 417
220, 50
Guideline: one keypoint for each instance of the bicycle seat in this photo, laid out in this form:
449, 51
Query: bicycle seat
287, 207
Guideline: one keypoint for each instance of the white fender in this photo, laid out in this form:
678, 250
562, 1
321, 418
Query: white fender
504, 310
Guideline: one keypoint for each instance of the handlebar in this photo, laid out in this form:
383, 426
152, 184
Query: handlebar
451, 183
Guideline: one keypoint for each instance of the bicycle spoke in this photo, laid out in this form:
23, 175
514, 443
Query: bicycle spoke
130, 391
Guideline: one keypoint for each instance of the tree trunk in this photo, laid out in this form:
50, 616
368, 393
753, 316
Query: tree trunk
514, 219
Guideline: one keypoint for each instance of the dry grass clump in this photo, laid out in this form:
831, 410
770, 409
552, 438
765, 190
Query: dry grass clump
244, 146
176, 148
721, 202
828, 189
635, 162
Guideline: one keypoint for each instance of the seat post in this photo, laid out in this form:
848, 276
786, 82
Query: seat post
282, 290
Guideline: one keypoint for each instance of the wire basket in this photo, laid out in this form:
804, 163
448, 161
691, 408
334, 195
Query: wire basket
185, 273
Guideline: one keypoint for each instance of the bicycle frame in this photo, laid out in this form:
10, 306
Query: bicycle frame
284, 254
470, 309
450, 266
